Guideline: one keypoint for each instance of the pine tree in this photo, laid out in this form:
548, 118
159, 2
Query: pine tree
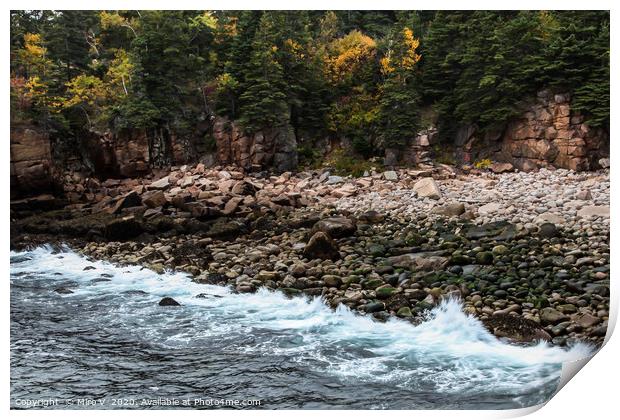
400, 100
263, 103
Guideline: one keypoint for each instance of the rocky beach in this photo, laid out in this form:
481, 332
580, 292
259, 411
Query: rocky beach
527, 253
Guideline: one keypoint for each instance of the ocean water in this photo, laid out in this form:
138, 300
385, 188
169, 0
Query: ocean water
109, 345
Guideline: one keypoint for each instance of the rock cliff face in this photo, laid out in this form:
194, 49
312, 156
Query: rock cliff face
273, 148
548, 133
31, 160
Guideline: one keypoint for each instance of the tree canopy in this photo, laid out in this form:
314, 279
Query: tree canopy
360, 75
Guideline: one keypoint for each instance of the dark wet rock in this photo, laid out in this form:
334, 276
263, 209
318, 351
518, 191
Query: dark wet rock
484, 258
548, 230
63, 291
552, 316
154, 199
304, 221
244, 188
168, 301
507, 233
459, 259
515, 328
376, 250
135, 293
396, 301
132, 199
499, 231
290, 291
452, 209
89, 267
404, 312
321, 246
426, 261
332, 281
381, 316
484, 231
224, 229
336, 227
123, 228
191, 253
502, 294
373, 307
371, 217
211, 278
206, 296
587, 320
385, 292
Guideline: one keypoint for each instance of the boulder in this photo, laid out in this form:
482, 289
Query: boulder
404, 312
123, 228
584, 195
168, 301
244, 188
232, 205
426, 261
502, 167
451, 209
336, 227
371, 217
427, 187
63, 291
587, 320
548, 217
550, 316
321, 246
385, 292
515, 328
39, 202
154, 199
372, 307
390, 176
223, 229
548, 230
489, 208
593, 211
334, 179
160, 184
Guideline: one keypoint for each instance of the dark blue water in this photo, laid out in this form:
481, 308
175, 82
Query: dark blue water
109, 345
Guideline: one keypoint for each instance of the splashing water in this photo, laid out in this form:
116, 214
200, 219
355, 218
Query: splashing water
109, 337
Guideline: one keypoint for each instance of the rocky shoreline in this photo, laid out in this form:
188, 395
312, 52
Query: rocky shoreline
527, 253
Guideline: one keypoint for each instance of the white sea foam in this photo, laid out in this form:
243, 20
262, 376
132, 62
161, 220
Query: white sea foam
451, 350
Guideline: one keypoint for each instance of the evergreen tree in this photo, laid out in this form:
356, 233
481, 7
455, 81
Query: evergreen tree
400, 100
263, 103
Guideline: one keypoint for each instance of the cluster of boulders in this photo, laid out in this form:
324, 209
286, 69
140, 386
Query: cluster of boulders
527, 253
524, 285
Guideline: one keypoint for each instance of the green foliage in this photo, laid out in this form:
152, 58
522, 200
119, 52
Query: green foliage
263, 104
400, 99
363, 76
346, 164
309, 157
483, 164
479, 67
